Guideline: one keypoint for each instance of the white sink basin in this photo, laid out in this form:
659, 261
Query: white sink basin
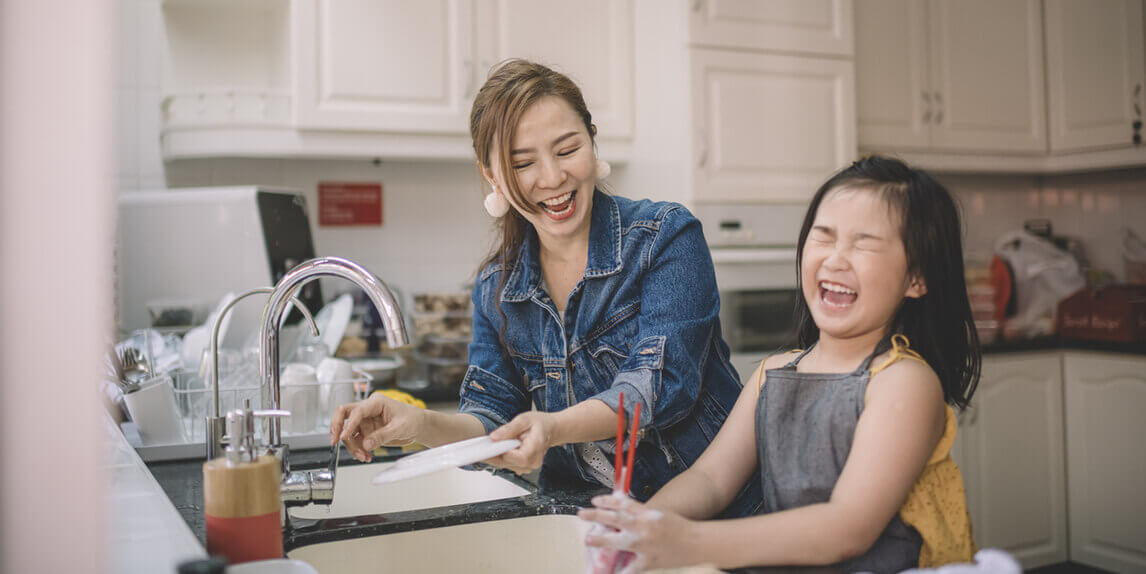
354, 495
549, 543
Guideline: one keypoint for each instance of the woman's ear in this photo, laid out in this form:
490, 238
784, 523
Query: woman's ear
916, 288
487, 174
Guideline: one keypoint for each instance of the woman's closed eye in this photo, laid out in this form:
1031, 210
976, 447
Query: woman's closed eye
568, 152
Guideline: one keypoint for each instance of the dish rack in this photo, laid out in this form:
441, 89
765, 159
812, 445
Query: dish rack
194, 397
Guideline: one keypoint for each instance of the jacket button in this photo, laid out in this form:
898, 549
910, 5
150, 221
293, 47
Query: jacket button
647, 490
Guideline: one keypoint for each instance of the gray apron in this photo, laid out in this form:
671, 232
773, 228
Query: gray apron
804, 428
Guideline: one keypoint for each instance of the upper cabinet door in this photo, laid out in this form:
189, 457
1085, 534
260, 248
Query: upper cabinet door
987, 75
798, 26
588, 40
892, 89
1094, 73
767, 127
384, 65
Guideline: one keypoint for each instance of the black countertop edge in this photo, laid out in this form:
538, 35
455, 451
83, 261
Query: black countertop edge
182, 481
306, 532
1056, 343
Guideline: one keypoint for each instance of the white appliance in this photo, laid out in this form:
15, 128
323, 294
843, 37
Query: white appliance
754, 253
200, 243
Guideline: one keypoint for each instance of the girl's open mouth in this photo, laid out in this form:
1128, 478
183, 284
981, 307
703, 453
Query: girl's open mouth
837, 296
560, 207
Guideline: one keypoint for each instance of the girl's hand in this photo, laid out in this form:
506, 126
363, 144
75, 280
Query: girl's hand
535, 431
659, 539
376, 421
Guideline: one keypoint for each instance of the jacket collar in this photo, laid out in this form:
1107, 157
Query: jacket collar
604, 251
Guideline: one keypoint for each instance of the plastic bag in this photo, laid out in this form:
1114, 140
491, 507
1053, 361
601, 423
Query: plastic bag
1134, 257
1044, 275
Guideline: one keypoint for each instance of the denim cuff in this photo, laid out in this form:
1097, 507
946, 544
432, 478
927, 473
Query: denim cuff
638, 387
489, 398
487, 417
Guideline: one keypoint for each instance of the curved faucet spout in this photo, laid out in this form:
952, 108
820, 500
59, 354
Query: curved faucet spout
379, 293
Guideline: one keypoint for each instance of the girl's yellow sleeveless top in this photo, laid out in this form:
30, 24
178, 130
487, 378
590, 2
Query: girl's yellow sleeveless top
936, 506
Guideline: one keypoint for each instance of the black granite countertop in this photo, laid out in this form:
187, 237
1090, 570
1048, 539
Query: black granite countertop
182, 481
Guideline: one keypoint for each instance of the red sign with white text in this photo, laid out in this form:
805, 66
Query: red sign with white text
349, 204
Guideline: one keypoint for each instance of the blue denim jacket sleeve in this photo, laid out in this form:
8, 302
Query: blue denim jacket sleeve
679, 310
489, 391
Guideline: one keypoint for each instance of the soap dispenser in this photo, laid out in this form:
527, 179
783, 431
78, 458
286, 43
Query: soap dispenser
241, 500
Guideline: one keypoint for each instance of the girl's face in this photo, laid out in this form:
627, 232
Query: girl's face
552, 158
854, 267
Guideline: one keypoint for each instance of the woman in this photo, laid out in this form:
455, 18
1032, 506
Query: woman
587, 296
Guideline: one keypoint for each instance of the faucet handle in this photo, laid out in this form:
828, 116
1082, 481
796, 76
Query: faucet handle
240, 437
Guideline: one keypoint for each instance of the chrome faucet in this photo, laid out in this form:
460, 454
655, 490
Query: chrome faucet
297, 487
216, 424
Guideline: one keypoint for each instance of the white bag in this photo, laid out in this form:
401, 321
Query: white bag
1044, 275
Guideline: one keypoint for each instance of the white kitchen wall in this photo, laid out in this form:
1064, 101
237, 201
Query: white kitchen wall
434, 232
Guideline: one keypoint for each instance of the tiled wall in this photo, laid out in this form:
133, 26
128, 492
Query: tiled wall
1094, 207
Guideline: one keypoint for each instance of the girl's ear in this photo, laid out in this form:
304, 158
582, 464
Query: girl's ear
916, 288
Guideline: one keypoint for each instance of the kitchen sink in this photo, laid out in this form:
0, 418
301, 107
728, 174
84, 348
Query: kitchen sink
546, 543
354, 495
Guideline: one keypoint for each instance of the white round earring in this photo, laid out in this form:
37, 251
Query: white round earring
495, 204
603, 169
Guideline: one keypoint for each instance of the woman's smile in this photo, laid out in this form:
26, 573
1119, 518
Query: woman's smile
560, 207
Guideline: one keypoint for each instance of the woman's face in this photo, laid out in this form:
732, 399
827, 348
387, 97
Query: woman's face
552, 158
854, 267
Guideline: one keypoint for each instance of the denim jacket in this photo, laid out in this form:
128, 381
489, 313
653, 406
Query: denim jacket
643, 320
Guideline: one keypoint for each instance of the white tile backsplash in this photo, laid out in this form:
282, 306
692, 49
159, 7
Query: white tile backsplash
1093, 207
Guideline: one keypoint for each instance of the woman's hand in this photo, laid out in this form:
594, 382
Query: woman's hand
535, 431
659, 539
376, 421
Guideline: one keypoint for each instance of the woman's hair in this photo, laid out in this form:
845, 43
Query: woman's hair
512, 88
938, 324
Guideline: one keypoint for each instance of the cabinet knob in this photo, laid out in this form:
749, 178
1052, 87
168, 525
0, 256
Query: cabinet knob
696, 5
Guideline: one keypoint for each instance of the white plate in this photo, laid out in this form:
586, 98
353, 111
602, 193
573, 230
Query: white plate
443, 457
332, 321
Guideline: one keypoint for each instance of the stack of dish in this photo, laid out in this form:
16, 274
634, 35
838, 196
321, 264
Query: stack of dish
443, 329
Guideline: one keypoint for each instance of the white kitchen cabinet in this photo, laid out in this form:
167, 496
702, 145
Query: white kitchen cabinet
588, 40
376, 78
1105, 426
1010, 448
822, 27
384, 65
950, 75
768, 127
1094, 73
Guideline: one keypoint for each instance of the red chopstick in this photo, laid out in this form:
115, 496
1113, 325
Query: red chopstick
632, 449
618, 457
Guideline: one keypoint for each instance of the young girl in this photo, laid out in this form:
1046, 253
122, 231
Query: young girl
851, 434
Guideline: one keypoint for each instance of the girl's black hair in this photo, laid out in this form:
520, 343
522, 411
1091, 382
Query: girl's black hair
938, 324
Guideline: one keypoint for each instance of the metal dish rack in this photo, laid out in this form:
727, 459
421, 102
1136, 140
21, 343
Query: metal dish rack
194, 398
